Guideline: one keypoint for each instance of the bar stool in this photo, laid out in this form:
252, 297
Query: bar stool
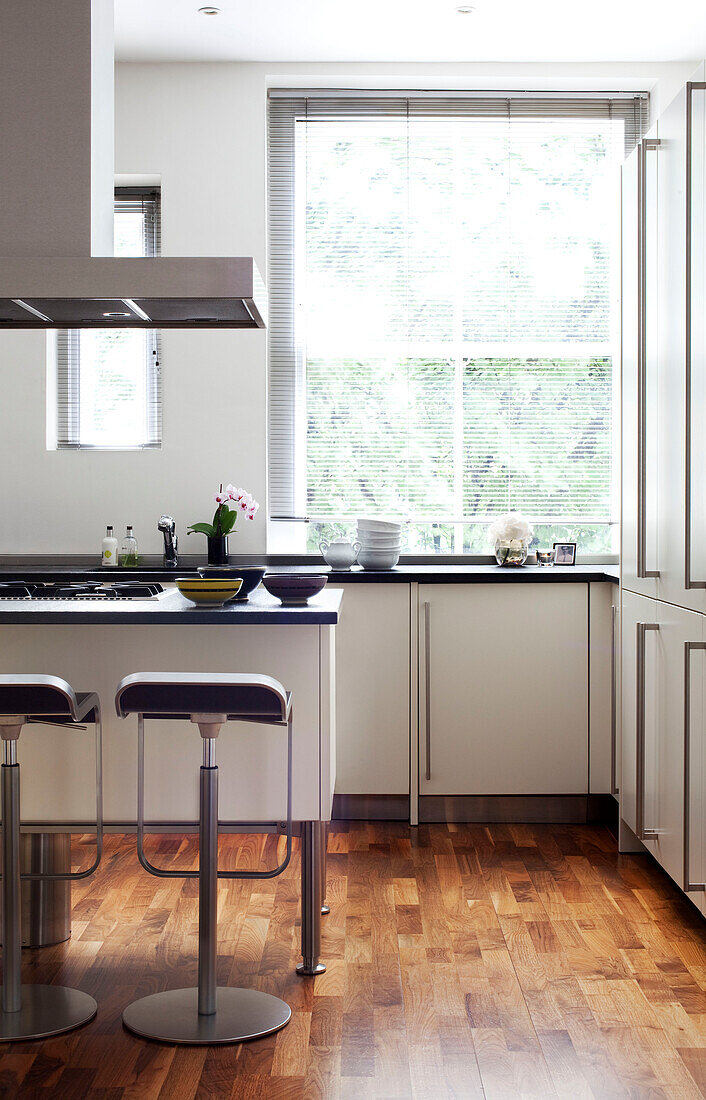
207, 1013
37, 1011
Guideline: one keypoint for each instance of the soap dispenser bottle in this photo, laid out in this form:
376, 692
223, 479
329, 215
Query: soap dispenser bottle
128, 549
109, 549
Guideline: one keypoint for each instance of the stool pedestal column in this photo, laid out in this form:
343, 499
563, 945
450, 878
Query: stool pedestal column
208, 879
11, 884
207, 1014
28, 1011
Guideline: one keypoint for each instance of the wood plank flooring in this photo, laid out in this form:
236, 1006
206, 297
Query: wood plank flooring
493, 961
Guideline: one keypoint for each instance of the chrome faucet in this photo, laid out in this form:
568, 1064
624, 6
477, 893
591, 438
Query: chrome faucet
171, 543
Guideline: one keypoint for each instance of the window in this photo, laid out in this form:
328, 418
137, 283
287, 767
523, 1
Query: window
444, 312
108, 380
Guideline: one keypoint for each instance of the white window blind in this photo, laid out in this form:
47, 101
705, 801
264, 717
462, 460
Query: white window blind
444, 304
109, 380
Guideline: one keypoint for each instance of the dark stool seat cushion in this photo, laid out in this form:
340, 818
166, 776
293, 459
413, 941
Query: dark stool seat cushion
35, 696
244, 696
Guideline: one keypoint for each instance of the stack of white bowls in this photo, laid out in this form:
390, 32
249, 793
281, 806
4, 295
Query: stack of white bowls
380, 541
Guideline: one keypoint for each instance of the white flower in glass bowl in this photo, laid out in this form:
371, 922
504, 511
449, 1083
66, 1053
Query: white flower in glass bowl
511, 535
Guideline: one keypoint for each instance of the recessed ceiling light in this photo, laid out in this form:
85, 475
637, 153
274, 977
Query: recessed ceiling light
209, 11
465, 9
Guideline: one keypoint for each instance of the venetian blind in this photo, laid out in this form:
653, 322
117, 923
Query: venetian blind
444, 303
109, 380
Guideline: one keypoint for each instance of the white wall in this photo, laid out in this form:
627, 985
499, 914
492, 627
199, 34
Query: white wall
202, 129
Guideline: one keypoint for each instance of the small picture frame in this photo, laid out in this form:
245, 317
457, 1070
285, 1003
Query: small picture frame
565, 553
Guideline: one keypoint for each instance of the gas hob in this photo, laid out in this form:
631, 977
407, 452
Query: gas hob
81, 590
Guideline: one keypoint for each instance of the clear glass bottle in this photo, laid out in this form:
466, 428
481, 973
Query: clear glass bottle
128, 549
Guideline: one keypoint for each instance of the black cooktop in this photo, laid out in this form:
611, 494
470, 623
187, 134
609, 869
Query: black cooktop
79, 590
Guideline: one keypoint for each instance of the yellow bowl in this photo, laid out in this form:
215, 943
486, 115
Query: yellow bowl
207, 592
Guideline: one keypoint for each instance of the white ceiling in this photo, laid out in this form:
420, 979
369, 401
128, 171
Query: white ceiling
411, 30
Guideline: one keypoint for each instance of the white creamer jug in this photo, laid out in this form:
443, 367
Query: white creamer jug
339, 553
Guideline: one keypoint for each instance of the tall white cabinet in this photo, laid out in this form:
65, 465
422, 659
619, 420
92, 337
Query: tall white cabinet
663, 594
655, 639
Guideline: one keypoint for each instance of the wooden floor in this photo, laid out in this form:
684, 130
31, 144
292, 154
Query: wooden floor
463, 961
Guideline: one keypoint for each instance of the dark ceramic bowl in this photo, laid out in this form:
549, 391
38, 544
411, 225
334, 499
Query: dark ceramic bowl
294, 589
250, 575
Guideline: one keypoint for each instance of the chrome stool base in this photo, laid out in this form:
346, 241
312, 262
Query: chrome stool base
46, 1010
173, 1017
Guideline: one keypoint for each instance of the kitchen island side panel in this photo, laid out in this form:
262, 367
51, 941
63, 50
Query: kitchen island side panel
57, 764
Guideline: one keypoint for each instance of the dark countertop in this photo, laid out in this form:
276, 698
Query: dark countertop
406, 572
476, 574
260, 609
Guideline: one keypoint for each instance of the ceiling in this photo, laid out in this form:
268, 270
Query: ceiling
411, 30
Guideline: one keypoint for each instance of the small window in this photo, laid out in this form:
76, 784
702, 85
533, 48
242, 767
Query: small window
108, 383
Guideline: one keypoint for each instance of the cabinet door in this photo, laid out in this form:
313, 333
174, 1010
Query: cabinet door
503, 689
690, 567
694, 873
639, 548
671, 305
604, 600
639, 708
653, 688
373, 689
664, 741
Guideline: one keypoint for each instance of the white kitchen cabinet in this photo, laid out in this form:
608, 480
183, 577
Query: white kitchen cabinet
604, 688
692, 490
694, 872
640, 437
664, 404
373, 689
652, 786
635, 609
669, 305
503, 689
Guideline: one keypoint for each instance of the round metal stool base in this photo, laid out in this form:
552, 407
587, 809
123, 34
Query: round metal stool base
46, 1010
310, 970
173, 1017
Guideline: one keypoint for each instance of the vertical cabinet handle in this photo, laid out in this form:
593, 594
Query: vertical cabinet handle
614, 699
642, 832
691, 87
647, 145
427, 687
688, 884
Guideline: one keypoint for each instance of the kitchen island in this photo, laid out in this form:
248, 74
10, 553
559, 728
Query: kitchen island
93, 644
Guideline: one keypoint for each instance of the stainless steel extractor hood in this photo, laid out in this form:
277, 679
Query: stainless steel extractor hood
114, 292
56, 184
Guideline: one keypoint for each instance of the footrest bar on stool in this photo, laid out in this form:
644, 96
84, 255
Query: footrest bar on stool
164, 872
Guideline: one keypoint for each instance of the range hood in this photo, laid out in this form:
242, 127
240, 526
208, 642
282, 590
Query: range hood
56, 188
115, 292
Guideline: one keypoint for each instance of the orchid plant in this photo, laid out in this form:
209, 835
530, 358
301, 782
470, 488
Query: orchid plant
225, 517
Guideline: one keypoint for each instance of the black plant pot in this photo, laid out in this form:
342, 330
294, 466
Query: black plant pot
217, 549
